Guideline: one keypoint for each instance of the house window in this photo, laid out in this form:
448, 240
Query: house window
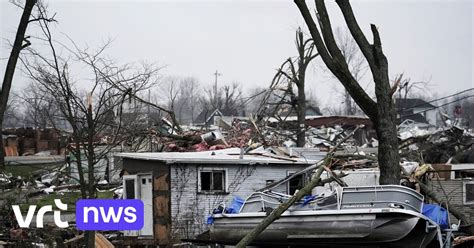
295, 183
129, 189
468, 193
212, 181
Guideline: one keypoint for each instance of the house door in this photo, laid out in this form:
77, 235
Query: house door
146, 195
130, 191
140, 187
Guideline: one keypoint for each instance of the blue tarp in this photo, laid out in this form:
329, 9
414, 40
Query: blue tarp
235, 206
436, 214
209, 220
308, 198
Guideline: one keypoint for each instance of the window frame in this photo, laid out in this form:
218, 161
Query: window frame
212, 170
133, 178
464, 193
291, 172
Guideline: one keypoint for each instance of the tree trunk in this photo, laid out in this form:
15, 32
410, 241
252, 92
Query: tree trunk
82, 182
10, 70
348, 103
388, 157
382, 112
90, 235
90, 239
386, 128
300, 136
386, 120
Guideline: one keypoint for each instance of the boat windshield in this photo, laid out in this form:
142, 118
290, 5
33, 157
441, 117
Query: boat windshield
267, 201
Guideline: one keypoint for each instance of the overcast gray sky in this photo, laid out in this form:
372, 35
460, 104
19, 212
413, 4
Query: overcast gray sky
247, 40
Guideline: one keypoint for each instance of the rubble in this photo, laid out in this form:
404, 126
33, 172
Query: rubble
436, 146
420, 147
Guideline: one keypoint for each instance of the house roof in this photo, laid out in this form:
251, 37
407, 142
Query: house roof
286, 111
291, 118
343, 120
225, 156
409, 103
35, 160
206, 115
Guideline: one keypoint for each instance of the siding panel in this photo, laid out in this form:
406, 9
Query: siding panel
189, 208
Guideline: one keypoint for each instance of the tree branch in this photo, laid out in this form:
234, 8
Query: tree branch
356, 32
340, 70
328, 36
313, 29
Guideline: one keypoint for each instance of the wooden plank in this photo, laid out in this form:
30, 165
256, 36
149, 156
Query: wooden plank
162, 234
161, 182
161, 204
161, 208
102, 242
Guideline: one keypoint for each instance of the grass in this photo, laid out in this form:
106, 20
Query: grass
26, 171
68, 198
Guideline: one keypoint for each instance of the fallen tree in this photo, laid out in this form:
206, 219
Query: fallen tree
452, 209
306, 190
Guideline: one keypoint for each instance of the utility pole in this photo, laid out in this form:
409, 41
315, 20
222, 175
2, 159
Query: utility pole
149, 123
216, 74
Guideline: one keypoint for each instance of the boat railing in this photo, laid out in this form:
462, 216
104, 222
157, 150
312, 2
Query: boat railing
387, 196
260, 201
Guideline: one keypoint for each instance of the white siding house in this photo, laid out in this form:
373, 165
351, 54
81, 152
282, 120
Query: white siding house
188, 186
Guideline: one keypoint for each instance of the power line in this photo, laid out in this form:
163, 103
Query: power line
435, 100
436, 107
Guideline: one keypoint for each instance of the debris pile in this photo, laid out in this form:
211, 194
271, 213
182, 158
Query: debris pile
435, 146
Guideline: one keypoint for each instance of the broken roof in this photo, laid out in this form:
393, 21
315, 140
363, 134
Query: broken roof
409, 103
225, 156
35, 160
342, 120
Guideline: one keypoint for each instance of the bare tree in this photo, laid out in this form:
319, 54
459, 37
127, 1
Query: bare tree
382, 112
187, 99
228, 99
232, 98
93, 110
254, 99
182, 96
297, 76
12, 116
172, 91
356, 62
412, 89
20, 43
40, 110
292, 73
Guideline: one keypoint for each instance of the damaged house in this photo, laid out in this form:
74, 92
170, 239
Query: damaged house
417, 110
180, 190
454, 183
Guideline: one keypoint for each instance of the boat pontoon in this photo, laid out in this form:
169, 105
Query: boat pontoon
380, 216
